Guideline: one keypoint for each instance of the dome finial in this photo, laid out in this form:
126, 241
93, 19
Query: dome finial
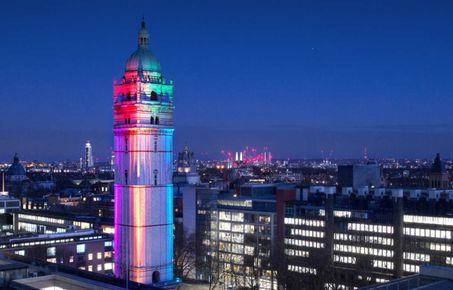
143, 36
143, 21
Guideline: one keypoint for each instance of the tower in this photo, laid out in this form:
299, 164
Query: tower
438, 177
88, 155
143, 144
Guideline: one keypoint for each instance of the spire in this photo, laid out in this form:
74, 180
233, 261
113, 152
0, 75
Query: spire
143, 22
143, 36
438, 166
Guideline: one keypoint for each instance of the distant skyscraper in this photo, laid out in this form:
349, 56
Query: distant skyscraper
143, 142
88, 155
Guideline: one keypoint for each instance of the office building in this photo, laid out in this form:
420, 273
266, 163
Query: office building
354, 238
244, 233
359, 175
89, 162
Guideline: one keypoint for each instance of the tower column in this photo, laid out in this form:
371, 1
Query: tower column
143, 147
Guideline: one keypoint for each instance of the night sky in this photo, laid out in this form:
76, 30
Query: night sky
296, 76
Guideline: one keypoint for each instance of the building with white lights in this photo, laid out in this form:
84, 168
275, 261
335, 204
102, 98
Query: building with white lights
355, 238
89, 162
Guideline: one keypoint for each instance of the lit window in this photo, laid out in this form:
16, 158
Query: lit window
90, 256
99, 255
80, 249
51, 252
108, 266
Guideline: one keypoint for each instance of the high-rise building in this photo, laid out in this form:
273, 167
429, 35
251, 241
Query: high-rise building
143, 144
359, 175
355, 238
88, 155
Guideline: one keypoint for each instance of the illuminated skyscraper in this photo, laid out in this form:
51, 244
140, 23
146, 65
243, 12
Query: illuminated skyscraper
143, 142
88, 155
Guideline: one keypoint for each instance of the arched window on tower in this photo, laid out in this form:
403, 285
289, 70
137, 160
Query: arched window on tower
155, 145
126, 176
151, 120
128, 96
125, 144
157, 120
155, 176
153, 96
156, 277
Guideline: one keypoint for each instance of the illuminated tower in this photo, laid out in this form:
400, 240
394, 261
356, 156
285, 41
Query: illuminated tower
88, 155
143, 142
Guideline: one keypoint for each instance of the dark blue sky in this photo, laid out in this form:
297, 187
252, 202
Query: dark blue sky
297, 76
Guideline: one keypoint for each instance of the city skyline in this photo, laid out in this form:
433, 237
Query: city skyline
326, 76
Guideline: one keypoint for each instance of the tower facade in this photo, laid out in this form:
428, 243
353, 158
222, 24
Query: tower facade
143, 145
88, 155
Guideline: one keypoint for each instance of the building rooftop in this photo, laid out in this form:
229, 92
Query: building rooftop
16, 168
430, 278
61, 281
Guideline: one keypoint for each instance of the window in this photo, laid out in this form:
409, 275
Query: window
20, 253
151, 120
157, 120
90, 256
80, 249
90, 268
125, 144
108, 266
51, 252
99, 255
125, 176
99, 267
153, 96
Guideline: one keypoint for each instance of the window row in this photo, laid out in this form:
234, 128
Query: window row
370, 228
429, 233
298, 253
304, 243
363, 250
429, 220
344, 259
367, 239
307, 233
416, 257
303, 270
304, 222
411, 268
440, 247
383, 264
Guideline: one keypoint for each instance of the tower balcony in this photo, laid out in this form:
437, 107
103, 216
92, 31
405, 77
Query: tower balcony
142, 124
143, 97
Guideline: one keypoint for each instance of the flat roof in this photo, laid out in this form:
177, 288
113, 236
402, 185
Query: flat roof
61, 281
430, 278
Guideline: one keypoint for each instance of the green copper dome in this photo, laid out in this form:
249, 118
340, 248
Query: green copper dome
143, 59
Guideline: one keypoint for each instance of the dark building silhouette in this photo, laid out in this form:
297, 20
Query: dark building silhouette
438, 177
